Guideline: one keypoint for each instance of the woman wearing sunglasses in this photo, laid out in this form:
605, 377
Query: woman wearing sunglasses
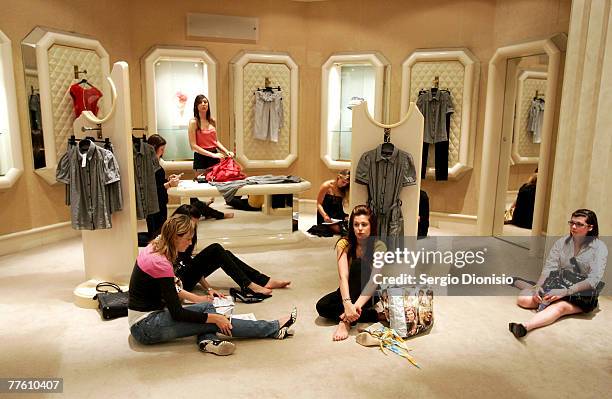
571, 277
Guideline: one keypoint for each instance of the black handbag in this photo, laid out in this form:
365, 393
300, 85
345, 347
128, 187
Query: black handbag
112, 304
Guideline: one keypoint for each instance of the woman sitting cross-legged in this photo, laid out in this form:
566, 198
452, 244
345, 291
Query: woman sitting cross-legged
351, 303
194, 270
155, 312
577, 261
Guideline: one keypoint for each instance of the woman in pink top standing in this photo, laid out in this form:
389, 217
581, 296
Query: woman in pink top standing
207, 149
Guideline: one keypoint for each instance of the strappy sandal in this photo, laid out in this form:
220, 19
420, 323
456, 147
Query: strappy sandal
283, 331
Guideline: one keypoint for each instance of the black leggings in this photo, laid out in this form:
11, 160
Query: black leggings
331, 306
213, 257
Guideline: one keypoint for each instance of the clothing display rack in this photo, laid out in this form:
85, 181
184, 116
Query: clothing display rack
141, 129
363, 122
435, 86
87, 129
268, 88
77, 72
538, 95
109, 254
72, 140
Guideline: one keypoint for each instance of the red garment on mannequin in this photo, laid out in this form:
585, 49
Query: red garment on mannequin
85, 99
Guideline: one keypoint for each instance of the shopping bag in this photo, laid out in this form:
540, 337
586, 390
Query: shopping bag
409, 310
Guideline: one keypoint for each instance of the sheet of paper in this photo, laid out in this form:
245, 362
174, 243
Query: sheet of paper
245, 316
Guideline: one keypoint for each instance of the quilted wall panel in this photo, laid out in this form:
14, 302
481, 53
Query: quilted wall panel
526, 146
61, 76
254, 75
451, 75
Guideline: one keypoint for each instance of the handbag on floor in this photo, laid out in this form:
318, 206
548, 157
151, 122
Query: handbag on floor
111, 304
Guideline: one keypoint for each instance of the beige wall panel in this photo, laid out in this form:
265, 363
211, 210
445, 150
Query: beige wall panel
309, 32
254, 75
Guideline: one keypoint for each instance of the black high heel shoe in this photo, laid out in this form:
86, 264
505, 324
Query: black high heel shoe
239, 295
250, 292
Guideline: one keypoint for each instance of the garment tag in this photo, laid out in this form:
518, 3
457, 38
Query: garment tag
83, 161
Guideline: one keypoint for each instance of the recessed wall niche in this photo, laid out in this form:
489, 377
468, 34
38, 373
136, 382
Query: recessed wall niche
458, 71
174, 76
55, 62
346, 80
265, 109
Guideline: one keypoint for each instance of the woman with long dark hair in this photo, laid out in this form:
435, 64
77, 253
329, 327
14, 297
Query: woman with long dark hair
351, 301
156, 220
570, 280
207, 149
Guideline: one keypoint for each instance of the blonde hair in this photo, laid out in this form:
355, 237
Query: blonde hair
175, 226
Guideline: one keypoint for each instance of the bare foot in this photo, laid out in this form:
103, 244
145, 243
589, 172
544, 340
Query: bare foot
342, 332
259, 289
283, 320
228, 215
277, 283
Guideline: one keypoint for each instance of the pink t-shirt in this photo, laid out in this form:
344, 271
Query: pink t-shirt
207, 138
154, 264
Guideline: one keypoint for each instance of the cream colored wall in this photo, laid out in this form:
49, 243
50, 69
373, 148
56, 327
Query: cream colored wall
310, 32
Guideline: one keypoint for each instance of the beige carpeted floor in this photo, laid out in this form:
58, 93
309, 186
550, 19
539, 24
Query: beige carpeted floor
469, 353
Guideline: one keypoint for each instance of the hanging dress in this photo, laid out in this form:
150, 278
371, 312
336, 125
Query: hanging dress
387, 173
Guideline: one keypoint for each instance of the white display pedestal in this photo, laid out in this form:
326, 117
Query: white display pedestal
109, 254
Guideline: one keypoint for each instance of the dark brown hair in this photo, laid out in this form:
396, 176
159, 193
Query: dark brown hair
360, 210
196, 114
591, 219
156, 141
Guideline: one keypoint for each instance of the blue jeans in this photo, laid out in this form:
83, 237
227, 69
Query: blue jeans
160, 327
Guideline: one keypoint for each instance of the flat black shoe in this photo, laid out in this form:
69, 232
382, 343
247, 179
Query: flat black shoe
238, 295
254, 294
517, 329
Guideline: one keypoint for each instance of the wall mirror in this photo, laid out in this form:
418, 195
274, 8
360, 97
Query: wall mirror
173, 77
11, 163
457, 72
64, 74
522, 78
529, 107
265, 108
525, 100
347, 79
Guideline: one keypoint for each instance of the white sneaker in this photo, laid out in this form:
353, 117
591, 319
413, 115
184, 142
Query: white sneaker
218, 347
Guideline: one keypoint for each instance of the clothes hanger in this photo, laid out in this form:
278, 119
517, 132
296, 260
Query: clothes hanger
387, 147
84, 81
84, 144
